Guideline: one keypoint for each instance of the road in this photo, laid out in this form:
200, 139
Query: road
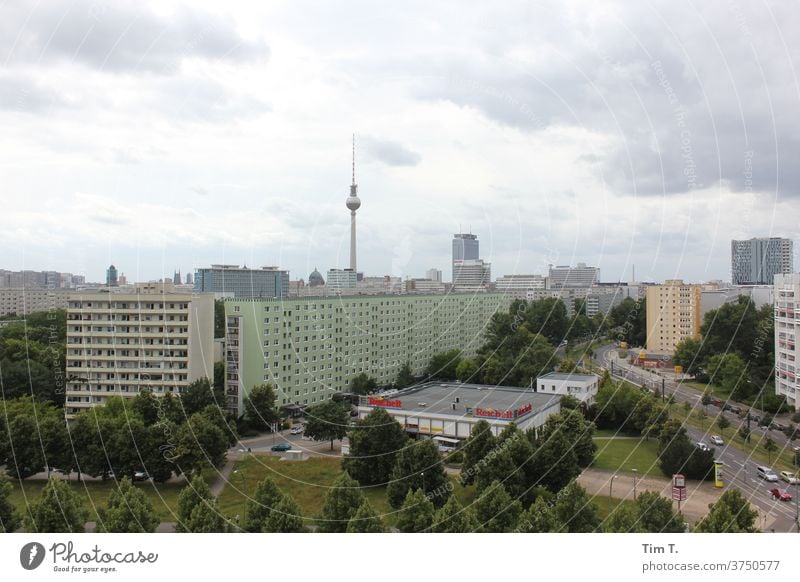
740, 468
263, 444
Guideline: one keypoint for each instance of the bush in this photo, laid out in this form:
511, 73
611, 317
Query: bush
454, 458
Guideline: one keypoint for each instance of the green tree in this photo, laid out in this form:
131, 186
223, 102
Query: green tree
452, 517
723, 422
365, 520
689, 355
467, 370
9, 518
200, 444
539, 518
575, 510
327, 421
728, 371
58, 509
259, 406
418, 466
416, 514
195, 493
475, 448
404, 376
219, 318
650, 513
548, 317
770, 447
285, 517
496, 511
730, 514
676, 453
577, 429
705, 399
128, 511
341, 504
374, 444
259, 508
443, 365
744, 432
363, 384
206, 517
199, 394
555, 462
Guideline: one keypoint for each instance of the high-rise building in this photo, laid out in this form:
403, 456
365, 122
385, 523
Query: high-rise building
25, 301
339, 279
471, 275
518, 285
787, 330
434, 275
236, 281
353, 204
176, 278
756, 261
310, 348
465, 248
120, 343
564, 276
673, 314
111, 276
189, 280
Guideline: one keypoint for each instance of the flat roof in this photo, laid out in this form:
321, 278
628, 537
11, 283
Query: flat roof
568, 376
438, 398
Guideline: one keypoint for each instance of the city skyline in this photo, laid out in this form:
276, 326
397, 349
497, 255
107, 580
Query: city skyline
611, 136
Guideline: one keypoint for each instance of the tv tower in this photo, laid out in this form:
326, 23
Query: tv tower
353, 203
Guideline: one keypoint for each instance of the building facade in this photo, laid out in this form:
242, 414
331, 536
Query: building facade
581, 386
24, 301
519, 283
471, 275
311, 348
787, 328
673, 314
564, 276
340, 279
434, 275
241, 282
465, 248
119, 343
756, 261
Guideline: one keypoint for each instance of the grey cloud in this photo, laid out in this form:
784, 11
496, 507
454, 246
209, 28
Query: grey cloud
389, 152
24, 95
119, 36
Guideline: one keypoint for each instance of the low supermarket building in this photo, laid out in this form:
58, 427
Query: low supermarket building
447, 411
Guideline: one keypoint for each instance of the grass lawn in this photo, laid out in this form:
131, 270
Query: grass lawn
163, 496
626, 454
307, 482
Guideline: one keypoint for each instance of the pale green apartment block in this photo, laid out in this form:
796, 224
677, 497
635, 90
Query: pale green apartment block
311, 347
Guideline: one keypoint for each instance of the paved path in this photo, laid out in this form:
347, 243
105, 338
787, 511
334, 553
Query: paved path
224, 475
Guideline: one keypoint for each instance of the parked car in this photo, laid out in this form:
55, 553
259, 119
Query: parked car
766, 473
716, 440
778, 426
140, 476
703, 446
281, 447
716, 402
297, 429
727, 406
789, 477
736, 409
780, 494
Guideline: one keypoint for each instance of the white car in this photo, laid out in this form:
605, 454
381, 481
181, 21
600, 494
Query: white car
703, 446
789, 477
297, 429
716, 440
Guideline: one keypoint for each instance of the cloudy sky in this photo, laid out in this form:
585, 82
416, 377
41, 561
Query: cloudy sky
162, 136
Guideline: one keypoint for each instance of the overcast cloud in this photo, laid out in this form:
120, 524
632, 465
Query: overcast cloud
168, 135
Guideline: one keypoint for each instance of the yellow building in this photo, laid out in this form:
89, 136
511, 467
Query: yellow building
673, 314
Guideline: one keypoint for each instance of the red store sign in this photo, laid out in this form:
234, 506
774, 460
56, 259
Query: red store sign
385, 403
503, 414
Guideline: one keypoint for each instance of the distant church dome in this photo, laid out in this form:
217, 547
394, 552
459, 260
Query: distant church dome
315, 278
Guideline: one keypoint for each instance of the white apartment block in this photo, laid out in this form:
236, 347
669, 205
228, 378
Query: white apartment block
119, 343
519, 283
24, 301
471, 275
787, 325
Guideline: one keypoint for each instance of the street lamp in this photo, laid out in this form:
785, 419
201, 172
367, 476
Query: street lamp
635, 473
611, 484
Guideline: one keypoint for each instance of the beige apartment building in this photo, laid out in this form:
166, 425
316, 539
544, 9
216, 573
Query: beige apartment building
23, 301
121, 342
673, 314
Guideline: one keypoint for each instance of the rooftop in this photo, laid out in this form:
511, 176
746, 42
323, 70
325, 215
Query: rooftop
568, 376
438, 398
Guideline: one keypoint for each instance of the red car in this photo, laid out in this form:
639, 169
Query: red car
780, 494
